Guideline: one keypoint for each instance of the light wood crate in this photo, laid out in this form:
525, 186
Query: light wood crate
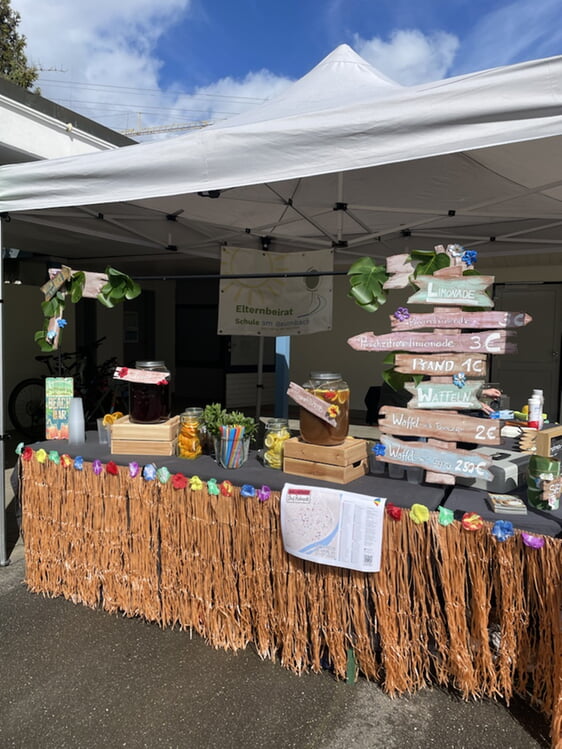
128, 438
338, 463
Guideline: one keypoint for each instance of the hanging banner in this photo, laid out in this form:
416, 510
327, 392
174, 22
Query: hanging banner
262, 302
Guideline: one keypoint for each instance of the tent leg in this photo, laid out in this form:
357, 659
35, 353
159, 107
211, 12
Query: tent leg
282, 361
4, 561
259, 383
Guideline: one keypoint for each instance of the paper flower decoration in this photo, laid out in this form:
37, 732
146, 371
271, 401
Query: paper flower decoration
402, 313
163, 475
27, 453
333, 411
459, 379
97, 467
379, 449
19, 448
123, 372
79, 463
494, 415
534, 542
149, 472
247, 490
471, 521
112, 468
195, 483
469, 257
41, 455
226, 488
61, 322
446, 516
65, 460
212, 487
455, 250
393, 511
264, 493
134, 469
179, 481
502, 530
54, 457
419, 513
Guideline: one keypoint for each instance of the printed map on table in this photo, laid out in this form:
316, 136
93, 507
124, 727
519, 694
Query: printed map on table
330, 526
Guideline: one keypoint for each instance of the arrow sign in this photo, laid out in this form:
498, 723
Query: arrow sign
486, 342
449, 427
456, 462
467, 291
311, 403
438, 395
445, 318
441, 364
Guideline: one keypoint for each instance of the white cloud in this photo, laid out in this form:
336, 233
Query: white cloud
409, 56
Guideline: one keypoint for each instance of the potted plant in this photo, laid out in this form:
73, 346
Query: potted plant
230, 432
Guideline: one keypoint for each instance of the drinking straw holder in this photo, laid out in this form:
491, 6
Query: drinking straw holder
232, 447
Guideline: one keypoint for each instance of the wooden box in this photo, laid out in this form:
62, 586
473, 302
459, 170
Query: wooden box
339, 463
128, 438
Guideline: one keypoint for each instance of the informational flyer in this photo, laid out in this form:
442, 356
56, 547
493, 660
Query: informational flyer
332, 526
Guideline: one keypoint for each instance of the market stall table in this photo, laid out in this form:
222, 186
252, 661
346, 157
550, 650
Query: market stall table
449, 606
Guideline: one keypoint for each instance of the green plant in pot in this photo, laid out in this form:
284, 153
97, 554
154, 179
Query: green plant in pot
230, 432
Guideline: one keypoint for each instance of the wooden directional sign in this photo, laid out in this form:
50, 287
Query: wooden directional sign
486, 342
466, 291
310, 402
445, 426
441, 364
456, 462
437, 395
400, 269
445, 318
58, 278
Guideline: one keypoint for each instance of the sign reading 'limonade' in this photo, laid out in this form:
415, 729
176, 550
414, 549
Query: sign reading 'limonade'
465, 291
450, 427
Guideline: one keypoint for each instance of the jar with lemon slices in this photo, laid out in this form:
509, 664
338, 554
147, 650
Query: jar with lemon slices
330, 387
276, 434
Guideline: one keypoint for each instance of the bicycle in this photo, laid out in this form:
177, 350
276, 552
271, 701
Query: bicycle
99, 392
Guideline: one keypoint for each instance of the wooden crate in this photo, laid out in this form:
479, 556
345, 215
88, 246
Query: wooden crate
128, 438
339, 463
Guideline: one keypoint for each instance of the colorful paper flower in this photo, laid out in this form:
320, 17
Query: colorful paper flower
419, 513
54, 457
469, 257
61, 322
379, 449
459, 379
247, 490
402, 313
212, 487
123, 372
149, 472
162, 382
179, 481
446, 516
333, 411
494, 415
79, 463
195, 483
27, 453
41, 455
19, 448
51, 335
226, 489
65, 460
112, 468
393, 511
534, 542
163, 475
471, 521
97, 467
134, 469
502, 530
264, 493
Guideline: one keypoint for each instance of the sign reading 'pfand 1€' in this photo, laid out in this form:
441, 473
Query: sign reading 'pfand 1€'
486, 342
450, 427
441, 364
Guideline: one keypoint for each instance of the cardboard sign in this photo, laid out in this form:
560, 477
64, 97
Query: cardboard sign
310, 402
58, 279
145, 376
466, 291
457, 319
466, 463
441, 364
438, 395
450, 427
487, 342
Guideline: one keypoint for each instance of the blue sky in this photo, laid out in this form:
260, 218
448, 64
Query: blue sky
141, 63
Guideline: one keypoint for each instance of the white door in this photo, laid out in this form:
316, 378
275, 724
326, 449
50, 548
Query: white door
537, 362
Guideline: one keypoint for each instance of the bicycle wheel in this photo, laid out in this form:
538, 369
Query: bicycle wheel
26, 408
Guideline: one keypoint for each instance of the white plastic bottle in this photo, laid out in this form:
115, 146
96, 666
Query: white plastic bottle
539, 394
534, 415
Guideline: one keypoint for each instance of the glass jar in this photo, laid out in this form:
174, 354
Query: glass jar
276, 434
149, 403
330, 387
189, 439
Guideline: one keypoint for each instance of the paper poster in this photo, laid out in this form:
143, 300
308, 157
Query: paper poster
58, 395
331, 526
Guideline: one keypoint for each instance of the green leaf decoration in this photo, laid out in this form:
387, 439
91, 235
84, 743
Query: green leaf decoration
428, 261
366, 280
77, 283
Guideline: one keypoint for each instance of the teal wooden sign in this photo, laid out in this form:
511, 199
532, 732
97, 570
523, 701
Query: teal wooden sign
466, 291
444, 395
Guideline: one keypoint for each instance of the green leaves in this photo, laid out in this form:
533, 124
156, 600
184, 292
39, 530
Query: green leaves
118, 287
366, 280
428, 261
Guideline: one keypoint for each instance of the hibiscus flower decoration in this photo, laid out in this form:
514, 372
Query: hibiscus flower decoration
27, 453
502, 530
393, 511
379, 449
195, 483
123, 372
469, 257
97, 467
179, 481
402, 313
333, 411
264, 493
247, 490
112, 468
459, 379
134, 469
212, 487
226, 489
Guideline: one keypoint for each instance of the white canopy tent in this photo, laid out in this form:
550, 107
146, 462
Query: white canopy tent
344, 158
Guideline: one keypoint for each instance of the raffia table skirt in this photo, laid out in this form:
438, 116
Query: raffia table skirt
449, 606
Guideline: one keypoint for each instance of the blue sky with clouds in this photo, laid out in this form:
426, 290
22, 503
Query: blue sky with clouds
141, 63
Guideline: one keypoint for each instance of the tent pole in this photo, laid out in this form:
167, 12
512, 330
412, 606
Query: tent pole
4, 561
259, 384
282, 361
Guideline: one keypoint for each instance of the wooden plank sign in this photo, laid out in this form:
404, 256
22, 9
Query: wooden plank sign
438, 395
310, 402
487, 342
466, 463
446, 426
441, 364
400, 269
457, 319
57, 278
466, 291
